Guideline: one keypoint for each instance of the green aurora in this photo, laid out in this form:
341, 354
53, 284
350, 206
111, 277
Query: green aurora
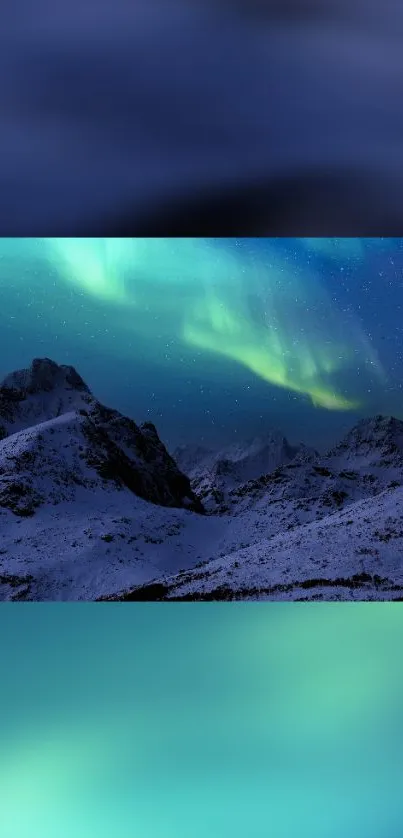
300, 341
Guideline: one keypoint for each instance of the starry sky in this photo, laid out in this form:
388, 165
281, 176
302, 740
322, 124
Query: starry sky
215, 339
173, 721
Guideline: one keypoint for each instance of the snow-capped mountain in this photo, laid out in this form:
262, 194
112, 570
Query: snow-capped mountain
57, 436
318, 527
92, 506
214, 475
64, 456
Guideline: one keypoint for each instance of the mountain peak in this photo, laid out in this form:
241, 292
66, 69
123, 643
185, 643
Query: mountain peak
375, 438
44, 375
92, 503
48, 400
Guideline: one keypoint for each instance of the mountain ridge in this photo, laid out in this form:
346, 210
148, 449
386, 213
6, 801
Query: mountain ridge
94, 507
36, 400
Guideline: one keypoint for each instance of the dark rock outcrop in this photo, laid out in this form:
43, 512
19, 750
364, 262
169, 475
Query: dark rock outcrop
55, 399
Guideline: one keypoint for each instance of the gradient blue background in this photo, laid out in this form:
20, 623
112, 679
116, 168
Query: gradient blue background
111, 110
201, 720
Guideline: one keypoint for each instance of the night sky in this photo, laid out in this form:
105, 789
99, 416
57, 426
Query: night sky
215, 339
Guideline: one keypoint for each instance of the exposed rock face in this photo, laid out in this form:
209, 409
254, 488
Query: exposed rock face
56, 436
92, 506
43, 391
43, 376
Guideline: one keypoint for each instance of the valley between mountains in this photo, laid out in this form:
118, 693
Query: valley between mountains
94, 507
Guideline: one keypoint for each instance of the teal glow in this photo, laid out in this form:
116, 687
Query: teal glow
168, 721
299, 342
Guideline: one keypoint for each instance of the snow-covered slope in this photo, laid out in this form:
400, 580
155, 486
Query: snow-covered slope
92, 506
355, 553
319, 527
215, 474
64, 458
57, 436
43, 391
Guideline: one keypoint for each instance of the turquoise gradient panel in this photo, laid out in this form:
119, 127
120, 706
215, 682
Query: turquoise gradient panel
159, 721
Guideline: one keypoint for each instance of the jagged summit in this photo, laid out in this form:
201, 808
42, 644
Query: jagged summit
215, 473
92, 505
255, 455
374, 438
42, 391
50, 420
44, 375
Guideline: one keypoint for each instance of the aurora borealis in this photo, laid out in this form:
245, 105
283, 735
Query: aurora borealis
285, 328
167, 721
